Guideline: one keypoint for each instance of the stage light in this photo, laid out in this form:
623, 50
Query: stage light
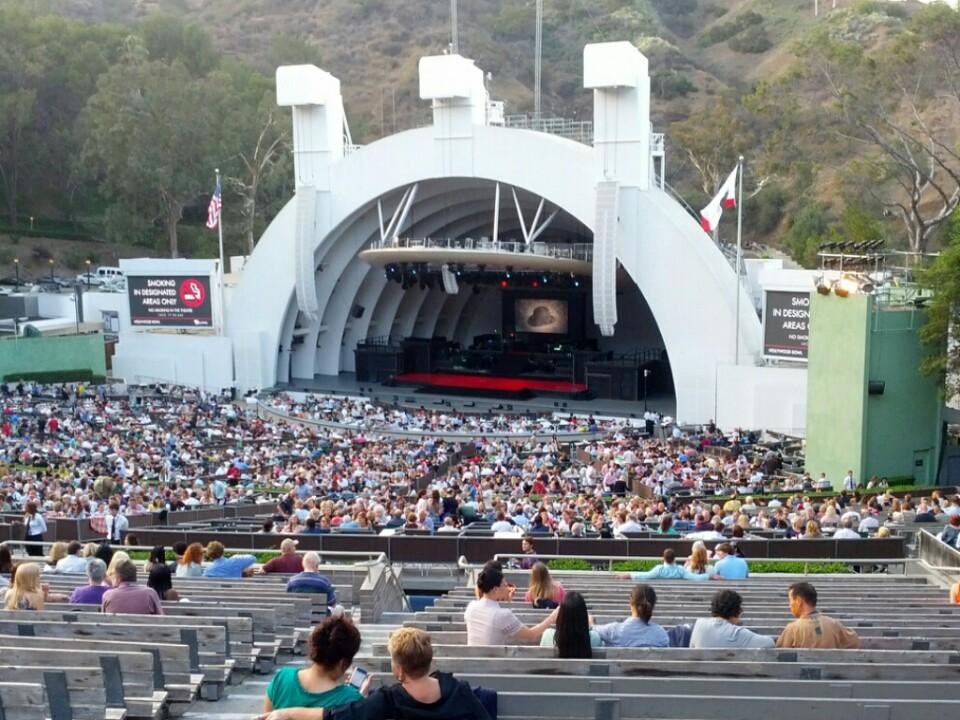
535, 284
546, 279
576, 283
504, 283
845, 286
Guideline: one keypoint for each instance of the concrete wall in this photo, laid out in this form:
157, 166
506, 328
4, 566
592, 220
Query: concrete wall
903, 423
836, 385
201, 361
43, 354
768, 398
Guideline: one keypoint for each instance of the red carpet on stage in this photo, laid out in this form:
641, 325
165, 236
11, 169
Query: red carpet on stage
487, 382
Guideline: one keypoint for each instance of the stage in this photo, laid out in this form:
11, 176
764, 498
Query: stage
488, 385
346, 384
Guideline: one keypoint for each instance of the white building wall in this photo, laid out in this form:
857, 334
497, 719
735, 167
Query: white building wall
200, 361
769, 398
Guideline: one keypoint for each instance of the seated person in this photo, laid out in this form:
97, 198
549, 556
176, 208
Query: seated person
811, 629
226, 567
419, 694
543, 592
729, 566
92, 593
287, 562
72, 563
573, 636
723, 630
25, 591
311, 581
667, 570
300, 692
488, 623
951, 533
129, 598
636, 630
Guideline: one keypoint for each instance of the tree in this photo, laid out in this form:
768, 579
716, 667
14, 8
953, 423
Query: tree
151, 138
255, 135
890, 105
712, 140
943, 312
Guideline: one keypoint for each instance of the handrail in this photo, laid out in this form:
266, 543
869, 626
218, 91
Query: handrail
561, 251
936, 554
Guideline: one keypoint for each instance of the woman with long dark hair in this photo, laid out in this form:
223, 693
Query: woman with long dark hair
573, 636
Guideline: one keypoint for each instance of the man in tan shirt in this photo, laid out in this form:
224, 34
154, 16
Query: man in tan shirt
812, 630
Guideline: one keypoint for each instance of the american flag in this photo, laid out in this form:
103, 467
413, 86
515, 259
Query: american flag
213, 212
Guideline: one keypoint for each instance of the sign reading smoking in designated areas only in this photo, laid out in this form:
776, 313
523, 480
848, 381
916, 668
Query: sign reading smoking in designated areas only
169, 301
786, 321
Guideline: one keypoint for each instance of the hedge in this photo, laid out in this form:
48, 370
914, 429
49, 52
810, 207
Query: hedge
56, 376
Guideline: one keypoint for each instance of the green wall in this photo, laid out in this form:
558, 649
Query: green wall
838, 354
903, 424
58, 352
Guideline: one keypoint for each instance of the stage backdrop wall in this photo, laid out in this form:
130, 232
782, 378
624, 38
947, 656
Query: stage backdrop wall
771, 398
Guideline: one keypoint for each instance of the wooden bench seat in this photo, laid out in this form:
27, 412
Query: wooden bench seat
128, 675
23, 701
204, 657
73, 693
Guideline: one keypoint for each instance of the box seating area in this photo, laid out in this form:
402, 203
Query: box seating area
907, 667
69, 662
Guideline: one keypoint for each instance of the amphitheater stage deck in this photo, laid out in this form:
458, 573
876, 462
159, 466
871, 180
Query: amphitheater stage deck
346, 384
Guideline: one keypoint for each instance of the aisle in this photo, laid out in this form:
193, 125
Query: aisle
245, 701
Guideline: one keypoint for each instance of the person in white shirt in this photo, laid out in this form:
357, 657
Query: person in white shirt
869, 523
723, 629
846, 531
117, 524
849, 484
502, 524
72, 563
490, 624
34, 528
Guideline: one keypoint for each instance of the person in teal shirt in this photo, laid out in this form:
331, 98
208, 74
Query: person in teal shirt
332, 646
667, 570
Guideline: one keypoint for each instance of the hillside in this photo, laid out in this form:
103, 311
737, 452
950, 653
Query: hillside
712, 62
373, 45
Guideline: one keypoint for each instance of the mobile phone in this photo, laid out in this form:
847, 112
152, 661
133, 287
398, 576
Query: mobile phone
358, 676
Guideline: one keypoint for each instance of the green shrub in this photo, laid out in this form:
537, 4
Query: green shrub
569, 564
671, 84
766, 209
715, 11
881, 7
56, 376
674, 7
725, 31
78, 260
752, 40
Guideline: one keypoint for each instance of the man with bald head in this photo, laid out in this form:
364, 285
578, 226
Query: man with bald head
311, 581
287, 562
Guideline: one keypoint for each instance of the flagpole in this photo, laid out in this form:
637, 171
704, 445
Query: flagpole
736, 352
220, 239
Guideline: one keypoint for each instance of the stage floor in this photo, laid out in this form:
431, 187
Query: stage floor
490, 383
346, 384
